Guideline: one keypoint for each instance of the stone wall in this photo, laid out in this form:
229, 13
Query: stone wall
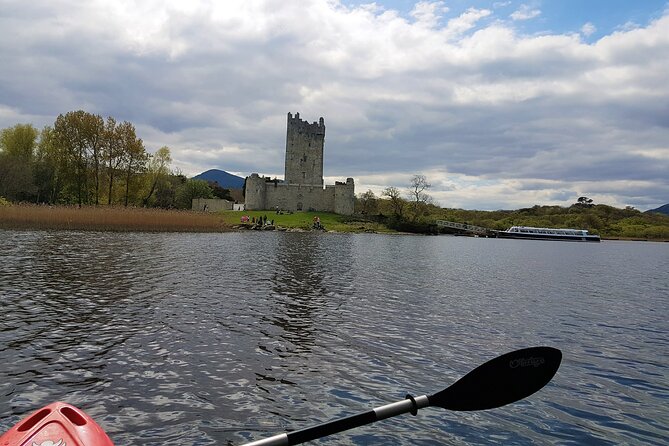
264, 194
211, 204
299, 197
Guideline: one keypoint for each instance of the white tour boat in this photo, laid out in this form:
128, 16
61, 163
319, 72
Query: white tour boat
530, 233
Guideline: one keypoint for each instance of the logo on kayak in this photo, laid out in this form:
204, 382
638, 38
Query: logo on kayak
50, 443
526, 362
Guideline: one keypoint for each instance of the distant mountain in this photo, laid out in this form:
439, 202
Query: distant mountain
661, 210
223, 178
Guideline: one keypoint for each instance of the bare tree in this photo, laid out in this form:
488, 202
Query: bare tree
418, 197
396, 200
368, 202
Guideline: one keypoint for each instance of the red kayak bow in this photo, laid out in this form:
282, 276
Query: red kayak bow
58, 424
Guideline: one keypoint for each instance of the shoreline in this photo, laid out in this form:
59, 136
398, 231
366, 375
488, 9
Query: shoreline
105, 218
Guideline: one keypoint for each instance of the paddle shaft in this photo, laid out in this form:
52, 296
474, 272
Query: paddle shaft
332, 427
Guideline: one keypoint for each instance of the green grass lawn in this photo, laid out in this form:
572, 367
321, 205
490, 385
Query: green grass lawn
304, 220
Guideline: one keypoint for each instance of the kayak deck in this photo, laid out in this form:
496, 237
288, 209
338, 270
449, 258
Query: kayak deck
58, 424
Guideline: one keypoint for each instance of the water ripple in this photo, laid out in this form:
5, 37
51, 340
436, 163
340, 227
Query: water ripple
226, 338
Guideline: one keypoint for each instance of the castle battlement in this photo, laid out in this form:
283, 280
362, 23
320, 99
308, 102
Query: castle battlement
316, 128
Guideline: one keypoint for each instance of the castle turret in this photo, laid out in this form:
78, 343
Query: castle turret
344, 200
256, 192
304, 151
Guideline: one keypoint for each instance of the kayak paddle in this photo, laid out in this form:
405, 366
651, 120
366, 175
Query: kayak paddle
500, 381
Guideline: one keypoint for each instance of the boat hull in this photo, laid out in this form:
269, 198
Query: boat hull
58, 424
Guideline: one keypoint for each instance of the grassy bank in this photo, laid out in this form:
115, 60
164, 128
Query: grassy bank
304, 220
104, 218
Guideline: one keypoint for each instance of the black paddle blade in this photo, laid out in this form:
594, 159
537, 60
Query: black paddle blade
500, 381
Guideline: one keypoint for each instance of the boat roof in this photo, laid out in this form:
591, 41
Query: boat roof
548, 229
554, 230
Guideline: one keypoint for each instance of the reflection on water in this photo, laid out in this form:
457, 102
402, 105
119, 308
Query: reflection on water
224, 338
298, 292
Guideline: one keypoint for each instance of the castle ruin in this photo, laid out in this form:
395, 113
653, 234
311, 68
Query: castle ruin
302, 188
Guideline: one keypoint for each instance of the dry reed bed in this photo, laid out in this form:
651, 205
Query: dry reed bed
104, 218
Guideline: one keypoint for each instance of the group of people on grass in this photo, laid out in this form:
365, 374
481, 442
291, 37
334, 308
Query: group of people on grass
262, 220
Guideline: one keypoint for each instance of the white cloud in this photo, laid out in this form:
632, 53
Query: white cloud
629, 26
525, 12
588, 29
428, 13
480, 109
466, 21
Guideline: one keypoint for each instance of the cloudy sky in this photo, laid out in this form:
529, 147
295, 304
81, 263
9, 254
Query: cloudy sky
500, 104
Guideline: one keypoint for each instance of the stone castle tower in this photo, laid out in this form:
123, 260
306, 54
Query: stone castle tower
302, 189
304, 151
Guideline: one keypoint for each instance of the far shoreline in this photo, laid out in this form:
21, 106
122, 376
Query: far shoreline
104, 218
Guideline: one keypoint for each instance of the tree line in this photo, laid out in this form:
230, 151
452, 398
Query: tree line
412, 210
83, 159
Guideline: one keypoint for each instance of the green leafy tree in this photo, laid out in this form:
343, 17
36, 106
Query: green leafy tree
73, 161
134, 163
166, 191
47, 167
19, 142
70, 131
190, 190
112, 153
17, 150
158, 169
94, 133
124, 155
220, 192
16, 179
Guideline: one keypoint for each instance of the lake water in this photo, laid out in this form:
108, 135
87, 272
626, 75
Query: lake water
201, 339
